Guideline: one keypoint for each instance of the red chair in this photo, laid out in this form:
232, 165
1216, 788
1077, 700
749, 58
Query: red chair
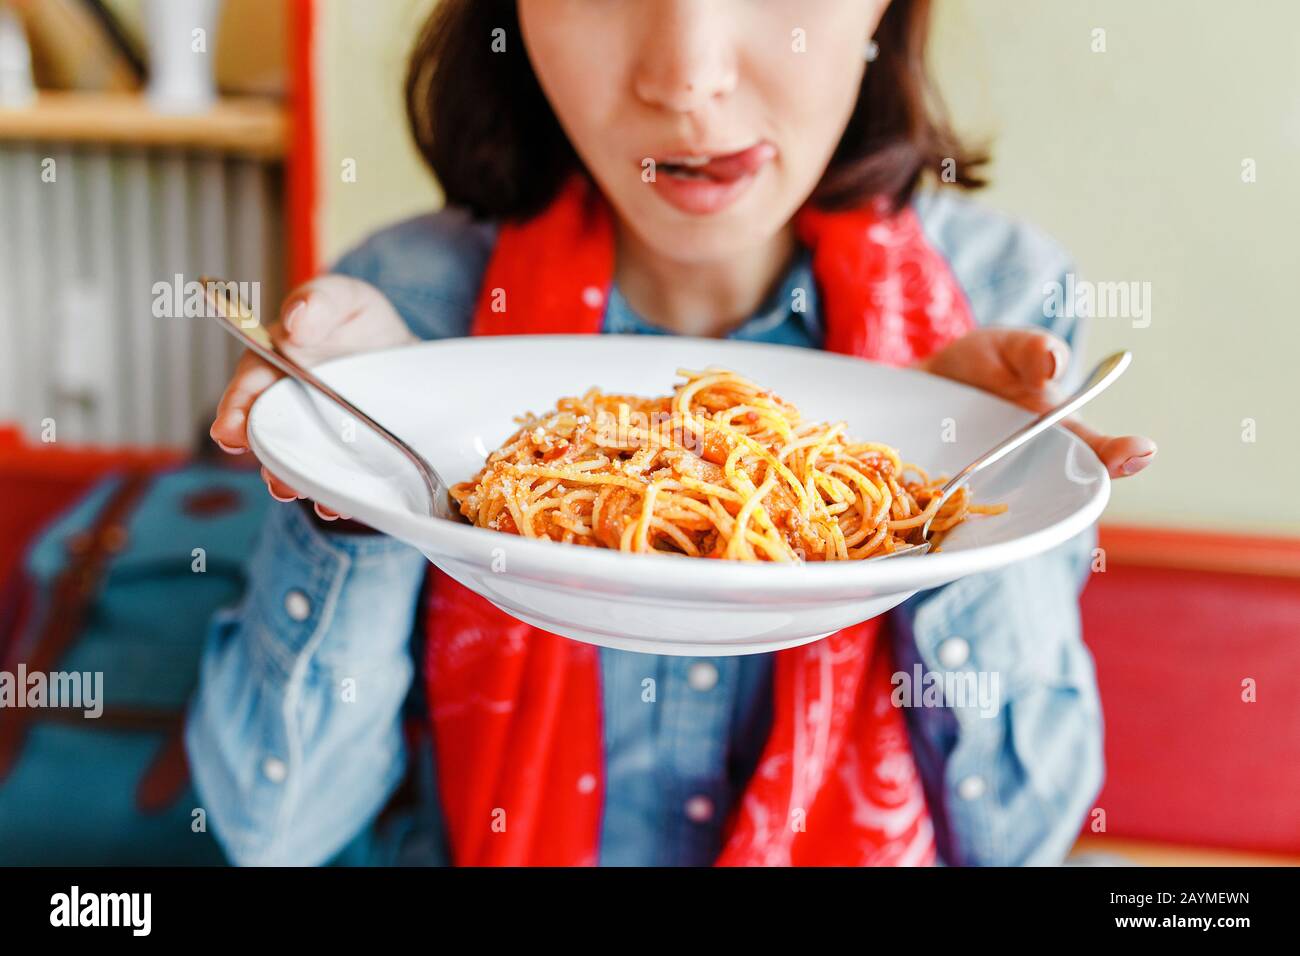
38, 481
1197, 644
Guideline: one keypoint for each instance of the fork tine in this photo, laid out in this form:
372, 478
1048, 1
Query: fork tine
921, 548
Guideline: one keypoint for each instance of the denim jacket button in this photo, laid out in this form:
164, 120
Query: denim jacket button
699, 809
953, 653
971, 788
297, 605
702, 676
274, 769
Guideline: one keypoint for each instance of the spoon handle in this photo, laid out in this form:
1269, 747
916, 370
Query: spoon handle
1103, 376
233, 316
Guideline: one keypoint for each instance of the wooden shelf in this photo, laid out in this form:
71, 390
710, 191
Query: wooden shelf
247, 126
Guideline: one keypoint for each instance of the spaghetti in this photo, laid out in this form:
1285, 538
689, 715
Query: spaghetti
722, 468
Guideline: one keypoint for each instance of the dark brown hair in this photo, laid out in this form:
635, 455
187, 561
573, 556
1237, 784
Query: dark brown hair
485, 128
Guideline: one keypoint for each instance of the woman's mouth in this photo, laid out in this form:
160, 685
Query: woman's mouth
705, 183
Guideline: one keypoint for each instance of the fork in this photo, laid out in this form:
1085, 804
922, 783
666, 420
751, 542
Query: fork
237, 319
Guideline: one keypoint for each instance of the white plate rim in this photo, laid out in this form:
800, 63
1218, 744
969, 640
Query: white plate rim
679, 577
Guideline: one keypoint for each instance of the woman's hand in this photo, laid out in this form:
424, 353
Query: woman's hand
1022, 366
323, 319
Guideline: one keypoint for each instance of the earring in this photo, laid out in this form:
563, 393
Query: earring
872, 51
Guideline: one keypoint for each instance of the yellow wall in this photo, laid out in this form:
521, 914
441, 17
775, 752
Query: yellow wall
362, 47
1131, 157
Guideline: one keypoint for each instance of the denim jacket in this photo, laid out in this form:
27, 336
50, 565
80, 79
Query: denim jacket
295, 736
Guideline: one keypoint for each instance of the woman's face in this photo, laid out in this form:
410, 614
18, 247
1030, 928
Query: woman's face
707, 123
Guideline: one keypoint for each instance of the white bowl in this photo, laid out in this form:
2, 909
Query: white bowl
456, 400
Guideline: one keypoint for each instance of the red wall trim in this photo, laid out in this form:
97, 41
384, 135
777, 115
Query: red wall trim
1187, 550
301, 173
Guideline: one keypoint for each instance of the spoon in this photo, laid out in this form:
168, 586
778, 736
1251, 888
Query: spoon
1102, 377
237, 319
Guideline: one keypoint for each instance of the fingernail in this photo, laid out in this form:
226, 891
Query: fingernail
324, 516
1055, 364
277, 497
1135, 464
227, 449
291, 317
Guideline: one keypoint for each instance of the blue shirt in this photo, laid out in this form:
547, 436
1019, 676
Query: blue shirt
295, 737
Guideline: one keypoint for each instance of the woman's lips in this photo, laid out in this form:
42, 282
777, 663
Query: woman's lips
703, 183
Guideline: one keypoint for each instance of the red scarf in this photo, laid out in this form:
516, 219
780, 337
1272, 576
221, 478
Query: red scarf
517, 711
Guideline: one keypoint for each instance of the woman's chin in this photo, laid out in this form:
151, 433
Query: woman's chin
701, 244
720, 236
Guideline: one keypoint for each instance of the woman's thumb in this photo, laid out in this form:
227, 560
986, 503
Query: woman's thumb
313, 311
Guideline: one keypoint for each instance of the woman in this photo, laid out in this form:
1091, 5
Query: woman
700, 167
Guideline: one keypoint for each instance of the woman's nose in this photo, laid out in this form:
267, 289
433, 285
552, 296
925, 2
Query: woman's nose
687, 58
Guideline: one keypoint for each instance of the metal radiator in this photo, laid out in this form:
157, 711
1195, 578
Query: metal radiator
90, 237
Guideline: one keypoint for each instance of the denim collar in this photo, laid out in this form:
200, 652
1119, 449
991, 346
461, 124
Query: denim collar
775, 321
